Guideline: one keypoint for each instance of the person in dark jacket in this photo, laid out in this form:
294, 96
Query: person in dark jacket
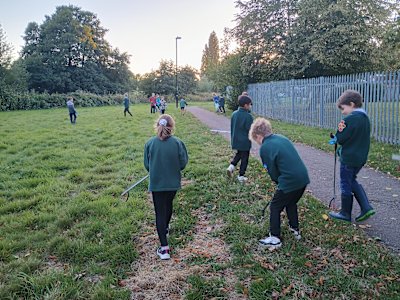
165, 156
241, 121
353, 136
71, 110
126, 105
222, 104
285, 167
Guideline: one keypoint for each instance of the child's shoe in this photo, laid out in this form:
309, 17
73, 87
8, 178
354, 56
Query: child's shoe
271, 242
242, 179
296, 233
230, 170
163, 254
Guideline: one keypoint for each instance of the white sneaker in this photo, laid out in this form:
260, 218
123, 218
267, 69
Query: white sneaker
163, 254
242, 179
271, 242
230, 170
296, 233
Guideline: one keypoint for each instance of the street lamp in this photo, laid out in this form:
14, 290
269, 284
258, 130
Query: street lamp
176, 70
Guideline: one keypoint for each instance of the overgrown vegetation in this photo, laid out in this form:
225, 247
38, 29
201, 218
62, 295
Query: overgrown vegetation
66, 234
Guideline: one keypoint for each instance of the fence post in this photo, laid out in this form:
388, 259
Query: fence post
292, 96
321, 99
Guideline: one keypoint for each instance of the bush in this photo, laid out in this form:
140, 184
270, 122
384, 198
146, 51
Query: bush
32, 100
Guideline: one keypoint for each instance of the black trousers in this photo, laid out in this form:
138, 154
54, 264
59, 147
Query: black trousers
163, 208
126, 110
152, 109
280, 201
72, 117
242, 156
222, 108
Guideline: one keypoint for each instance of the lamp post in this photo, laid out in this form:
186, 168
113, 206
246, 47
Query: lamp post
176, 70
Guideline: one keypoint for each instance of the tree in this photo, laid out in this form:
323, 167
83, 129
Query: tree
210, 58
5, 51
69, 52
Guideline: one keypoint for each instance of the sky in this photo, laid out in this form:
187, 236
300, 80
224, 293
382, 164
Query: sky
145, 29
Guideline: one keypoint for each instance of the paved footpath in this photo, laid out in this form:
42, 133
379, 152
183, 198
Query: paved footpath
383, 190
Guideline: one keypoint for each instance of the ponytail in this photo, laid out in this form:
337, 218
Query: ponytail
164, 127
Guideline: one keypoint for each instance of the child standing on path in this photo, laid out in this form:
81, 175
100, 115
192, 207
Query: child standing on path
216, 102
165, 156
285, 167
240, 125
71, 109
126, 104
183, 105
353, 136
221, 104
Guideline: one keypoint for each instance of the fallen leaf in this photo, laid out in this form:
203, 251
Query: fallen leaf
308, 264
287, 290
321, 280
325, 217
122, 283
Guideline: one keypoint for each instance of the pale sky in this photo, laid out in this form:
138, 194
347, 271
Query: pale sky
145, 29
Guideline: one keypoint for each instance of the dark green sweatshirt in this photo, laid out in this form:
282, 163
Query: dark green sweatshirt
283, 163
165, 160
241, 121
353, 136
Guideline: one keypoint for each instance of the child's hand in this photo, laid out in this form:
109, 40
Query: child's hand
333, 140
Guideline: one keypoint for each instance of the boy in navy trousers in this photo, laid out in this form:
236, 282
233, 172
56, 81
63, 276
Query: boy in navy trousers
240, 125
353, 137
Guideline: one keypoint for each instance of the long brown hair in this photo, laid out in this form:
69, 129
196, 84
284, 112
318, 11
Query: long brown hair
164, 126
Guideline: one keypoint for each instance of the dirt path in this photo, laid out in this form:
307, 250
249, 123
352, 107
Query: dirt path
156, 279
383, 190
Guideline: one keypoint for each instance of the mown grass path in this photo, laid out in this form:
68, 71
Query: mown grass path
66, 234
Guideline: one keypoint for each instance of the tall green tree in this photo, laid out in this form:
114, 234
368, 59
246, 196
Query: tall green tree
69, 52
5, 52
211, 55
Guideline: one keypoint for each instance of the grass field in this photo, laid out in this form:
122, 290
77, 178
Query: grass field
66, 234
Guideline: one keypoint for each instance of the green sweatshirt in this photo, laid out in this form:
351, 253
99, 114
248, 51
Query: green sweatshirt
353, 136
165, 160
241, 121
283, 163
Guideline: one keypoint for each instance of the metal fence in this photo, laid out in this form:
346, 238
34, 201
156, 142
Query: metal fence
312, 101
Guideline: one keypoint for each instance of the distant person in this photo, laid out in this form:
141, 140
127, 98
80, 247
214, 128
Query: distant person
241, 121
216, 102
285, 167
152, 101
165, 156
221, 104
163, 105
353, 137
71, 109
183, 104
126, 104
158, 101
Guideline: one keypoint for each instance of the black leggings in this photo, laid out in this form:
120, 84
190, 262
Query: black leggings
126, 110
243, 156
280, 201
163, 208
72, 115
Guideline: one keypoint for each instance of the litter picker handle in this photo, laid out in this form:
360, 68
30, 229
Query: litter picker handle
135, 184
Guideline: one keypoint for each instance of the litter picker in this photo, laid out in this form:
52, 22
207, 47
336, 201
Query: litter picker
132, 186
332, 202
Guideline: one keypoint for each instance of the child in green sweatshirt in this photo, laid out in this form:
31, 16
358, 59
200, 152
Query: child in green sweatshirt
353, 136
287, 170
165, 156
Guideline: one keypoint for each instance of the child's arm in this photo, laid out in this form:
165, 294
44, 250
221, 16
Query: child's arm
146, 160
269, 163
344, 131
183, 155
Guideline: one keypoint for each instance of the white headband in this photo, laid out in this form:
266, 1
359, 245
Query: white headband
163, 122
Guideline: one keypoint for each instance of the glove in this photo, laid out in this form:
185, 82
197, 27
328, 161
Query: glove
333, 140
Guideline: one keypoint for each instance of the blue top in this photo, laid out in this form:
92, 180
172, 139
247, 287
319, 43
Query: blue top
126, 102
